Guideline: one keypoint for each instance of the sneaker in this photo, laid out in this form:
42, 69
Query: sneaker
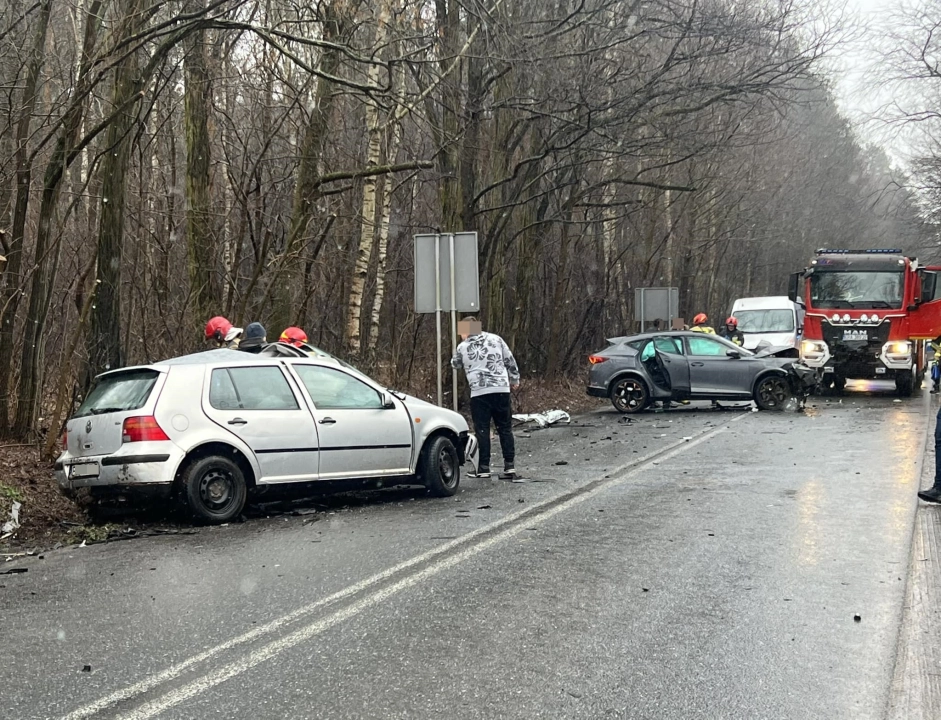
932, 495
483, 472
509, 473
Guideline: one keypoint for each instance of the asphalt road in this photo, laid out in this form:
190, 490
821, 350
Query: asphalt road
689, 564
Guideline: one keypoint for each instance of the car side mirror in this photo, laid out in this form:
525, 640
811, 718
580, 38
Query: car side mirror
793, 286
387, 402
734, 354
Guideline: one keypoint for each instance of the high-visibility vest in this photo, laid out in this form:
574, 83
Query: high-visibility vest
702, 329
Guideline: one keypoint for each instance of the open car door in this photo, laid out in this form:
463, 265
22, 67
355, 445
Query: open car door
673, 364
924, 318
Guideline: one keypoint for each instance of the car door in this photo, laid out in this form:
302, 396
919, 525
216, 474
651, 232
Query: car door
711, 370
359, 436
259, 405
673, 363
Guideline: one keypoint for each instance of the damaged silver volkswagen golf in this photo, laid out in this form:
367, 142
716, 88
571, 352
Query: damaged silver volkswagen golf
209, 428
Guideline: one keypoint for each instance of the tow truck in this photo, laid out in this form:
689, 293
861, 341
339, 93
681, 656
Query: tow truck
868, 316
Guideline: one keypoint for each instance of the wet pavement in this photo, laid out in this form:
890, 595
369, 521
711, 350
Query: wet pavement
686, 564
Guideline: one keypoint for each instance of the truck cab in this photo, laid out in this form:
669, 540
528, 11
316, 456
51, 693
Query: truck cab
861, 307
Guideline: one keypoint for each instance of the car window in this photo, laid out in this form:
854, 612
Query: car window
120, 391
671, 345
250, 388
704, 346
335, 389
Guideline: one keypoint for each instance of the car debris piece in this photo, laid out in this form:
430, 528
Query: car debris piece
86, 668
562, 462
857, 618
13, 524
14, 571
544, 419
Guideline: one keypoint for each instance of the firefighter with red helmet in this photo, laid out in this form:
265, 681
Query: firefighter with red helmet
294, 336
701, 324
221, 332
732, 333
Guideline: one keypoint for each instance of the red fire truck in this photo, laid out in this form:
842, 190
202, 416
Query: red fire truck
868, 315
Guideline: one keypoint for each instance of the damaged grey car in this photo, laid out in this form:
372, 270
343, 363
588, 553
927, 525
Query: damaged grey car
638, 370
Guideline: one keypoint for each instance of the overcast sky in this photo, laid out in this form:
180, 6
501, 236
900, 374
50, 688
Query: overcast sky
857, 95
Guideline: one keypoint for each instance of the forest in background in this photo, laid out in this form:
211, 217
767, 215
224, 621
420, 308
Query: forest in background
267, 160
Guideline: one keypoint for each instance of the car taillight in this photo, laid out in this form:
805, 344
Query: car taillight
595, 359
65, 439
142, 429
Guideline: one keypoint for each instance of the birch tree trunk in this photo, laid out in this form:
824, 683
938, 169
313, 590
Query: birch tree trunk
368, 212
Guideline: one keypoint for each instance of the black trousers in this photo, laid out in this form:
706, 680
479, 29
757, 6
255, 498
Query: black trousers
495, 407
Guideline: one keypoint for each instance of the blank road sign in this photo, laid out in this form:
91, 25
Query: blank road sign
466, 283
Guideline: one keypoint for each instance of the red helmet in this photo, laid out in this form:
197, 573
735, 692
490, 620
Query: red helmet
700, 319
293, 335
731, 322
217, 328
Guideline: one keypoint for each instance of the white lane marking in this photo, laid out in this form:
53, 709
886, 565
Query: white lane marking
665, 453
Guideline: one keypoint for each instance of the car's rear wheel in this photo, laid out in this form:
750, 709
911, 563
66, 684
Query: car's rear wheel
214, 489
629, 395
439, 468
772, 393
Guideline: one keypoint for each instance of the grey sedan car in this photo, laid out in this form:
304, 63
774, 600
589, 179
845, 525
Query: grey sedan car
638, 370
211, 427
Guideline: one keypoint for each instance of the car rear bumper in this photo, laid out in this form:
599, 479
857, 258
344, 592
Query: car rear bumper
596, 391
144, 467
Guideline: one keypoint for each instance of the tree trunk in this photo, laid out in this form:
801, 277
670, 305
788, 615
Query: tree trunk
11, 287
199, 226
104, 340
367, 232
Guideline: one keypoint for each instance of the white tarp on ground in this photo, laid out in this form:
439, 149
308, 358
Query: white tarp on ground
543, 419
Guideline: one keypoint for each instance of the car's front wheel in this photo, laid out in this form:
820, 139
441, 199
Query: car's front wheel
772, 393
439, 468
629, 395
214, 489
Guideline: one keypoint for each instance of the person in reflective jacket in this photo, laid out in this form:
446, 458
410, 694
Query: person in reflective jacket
701, 324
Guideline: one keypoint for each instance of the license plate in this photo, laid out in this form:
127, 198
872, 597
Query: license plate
856, 335
83, 470
828, 370
880, 371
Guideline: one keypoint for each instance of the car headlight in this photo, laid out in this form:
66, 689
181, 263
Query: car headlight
900, 347
813, 349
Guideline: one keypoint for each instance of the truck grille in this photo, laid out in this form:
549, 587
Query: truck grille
855, 343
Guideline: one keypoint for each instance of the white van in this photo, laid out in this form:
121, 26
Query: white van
775, 320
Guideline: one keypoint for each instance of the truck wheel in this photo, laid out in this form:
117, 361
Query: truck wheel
629, 395
905, 385
772, 393
214, 489
439, 468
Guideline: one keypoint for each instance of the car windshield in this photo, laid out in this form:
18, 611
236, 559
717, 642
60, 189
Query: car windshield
118, 392
765, 321
867, 290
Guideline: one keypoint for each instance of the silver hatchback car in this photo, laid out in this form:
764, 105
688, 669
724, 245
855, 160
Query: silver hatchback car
212, 426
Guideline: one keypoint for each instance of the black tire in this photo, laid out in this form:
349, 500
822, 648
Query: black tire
772, 393
629, 395
439, 468
905, 385
214, 489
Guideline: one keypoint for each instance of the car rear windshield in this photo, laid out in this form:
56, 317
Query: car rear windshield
118, 392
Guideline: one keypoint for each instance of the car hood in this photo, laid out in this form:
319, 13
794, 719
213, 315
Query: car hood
774, 351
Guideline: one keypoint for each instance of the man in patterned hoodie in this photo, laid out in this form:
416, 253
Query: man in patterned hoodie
491, 371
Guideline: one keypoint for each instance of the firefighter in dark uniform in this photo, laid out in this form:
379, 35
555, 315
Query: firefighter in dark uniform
732, 333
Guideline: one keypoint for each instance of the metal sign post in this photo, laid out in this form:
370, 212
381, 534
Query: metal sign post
446, 279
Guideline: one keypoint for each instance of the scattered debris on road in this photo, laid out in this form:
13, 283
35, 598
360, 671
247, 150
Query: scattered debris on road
13, 524
14, 571
544, 419
857, 618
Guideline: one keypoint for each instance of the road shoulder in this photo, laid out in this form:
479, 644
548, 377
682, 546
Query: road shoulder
916, 685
